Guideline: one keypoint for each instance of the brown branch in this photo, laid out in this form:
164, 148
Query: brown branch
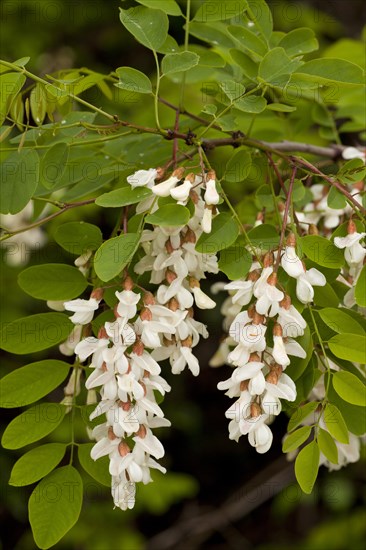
341, 188
277, 148
200, 526
64, 208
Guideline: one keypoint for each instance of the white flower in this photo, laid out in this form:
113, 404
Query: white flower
164, 188
84, 310
306, 281
143, 178
261, 438
292, 322
244, 291
257, 384
206, 222
211, 195
353, 153
355, 252
269, 297
202, 300
128, 301
183, 356
291, 263
181, 192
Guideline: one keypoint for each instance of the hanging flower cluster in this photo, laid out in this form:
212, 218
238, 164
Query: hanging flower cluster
263, 334
148, 328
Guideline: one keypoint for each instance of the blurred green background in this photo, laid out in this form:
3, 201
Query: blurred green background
217, 494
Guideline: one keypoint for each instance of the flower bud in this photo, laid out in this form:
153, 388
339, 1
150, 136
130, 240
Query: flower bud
268, 259
145, 314
141, 432
138, 348
255, 410
313, 230
291, 240
128, 283
170, 276
111, 434
123, 449
97, 294
102, 333
148, 299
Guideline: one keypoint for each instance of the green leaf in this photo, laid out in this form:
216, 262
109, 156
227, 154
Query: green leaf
322, 251
360, 290
327, 446
235, 261
53, 165
55, 506
247, 65
350, 388
169, 215
254, 104
225, 230
352, 171
36, 463
149, 27
78, 237
349, 346
10, 85
335, 199
213, 32
219, 10
170, 7
238, 166
177, 62
123, 197
52, 281
19, 174
27, 384
233, 90
264, 196
307, 466
281, 108
97, 469
113, 256
295, 439
35, 333
300, 414
335, 423
339, 321
354, 416
133, 80
325, 296
38, 103
264, 236
299, 41
276, 65
325, 71
261, 16
249, 41
32, 425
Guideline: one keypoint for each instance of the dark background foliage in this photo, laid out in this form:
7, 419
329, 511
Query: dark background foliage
226, 495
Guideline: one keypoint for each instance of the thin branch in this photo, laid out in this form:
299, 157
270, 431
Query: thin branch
64, 208
271, 481
285, 218
277, 148
330, 180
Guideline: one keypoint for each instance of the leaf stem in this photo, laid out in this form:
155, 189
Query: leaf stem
186, 44
285, 217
